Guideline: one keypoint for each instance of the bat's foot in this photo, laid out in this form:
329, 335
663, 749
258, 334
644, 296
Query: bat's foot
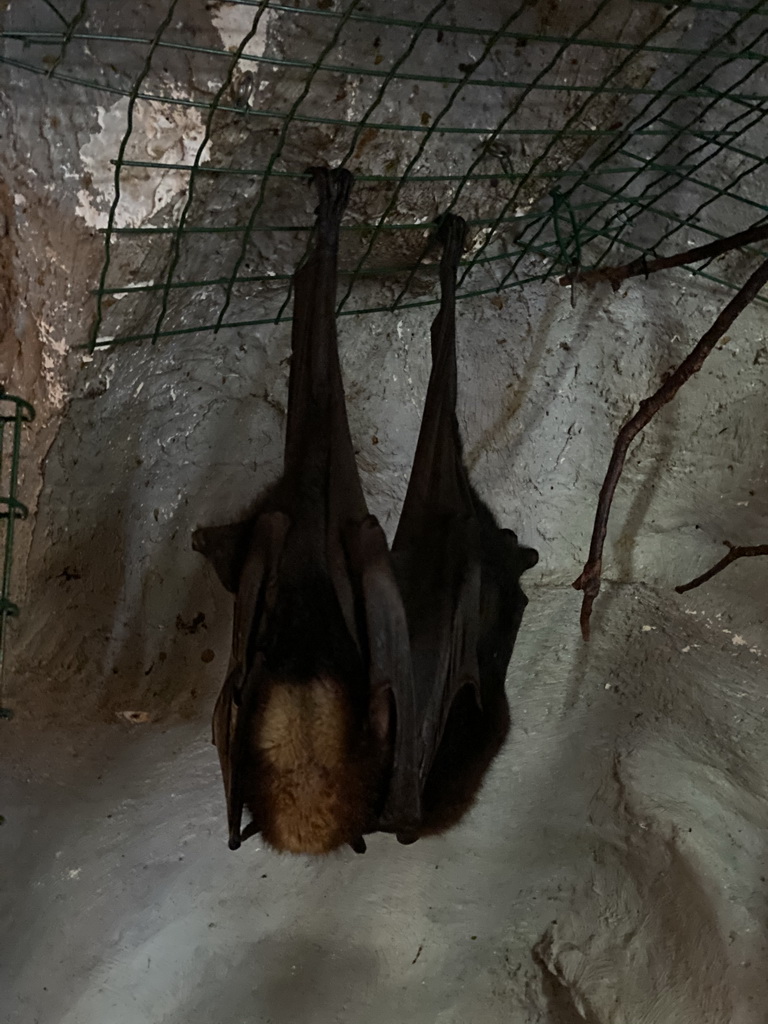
451, 234
358, 845
334, 185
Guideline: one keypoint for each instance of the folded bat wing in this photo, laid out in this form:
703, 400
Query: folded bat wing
440, 557
312, 524
257, 580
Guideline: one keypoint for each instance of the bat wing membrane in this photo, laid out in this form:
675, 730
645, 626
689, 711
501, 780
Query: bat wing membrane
235, 704
393, 698
445, 552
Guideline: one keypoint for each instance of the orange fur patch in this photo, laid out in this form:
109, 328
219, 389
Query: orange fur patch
313, 791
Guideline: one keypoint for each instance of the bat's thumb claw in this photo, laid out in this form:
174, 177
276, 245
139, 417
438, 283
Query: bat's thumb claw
451, 234
406, 838
311, 173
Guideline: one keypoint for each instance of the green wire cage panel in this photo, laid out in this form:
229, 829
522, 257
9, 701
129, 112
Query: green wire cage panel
14, 413
567, 134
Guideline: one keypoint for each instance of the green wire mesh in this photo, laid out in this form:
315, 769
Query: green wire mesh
14, 413
568, 135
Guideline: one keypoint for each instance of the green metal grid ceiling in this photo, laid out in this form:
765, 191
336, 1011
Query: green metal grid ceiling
569, 135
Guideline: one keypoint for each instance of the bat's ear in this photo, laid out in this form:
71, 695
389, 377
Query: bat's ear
529, 557
225, 548
525, 557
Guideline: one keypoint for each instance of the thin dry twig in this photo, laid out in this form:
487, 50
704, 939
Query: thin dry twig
734, 551
643, 266
589, 580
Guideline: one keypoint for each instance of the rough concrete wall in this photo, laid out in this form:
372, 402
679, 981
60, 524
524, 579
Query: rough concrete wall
611, 871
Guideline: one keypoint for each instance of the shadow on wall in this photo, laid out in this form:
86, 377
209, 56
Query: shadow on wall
299, 978
123, 616
644, 926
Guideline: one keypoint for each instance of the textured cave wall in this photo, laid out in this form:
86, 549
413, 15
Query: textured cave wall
613, 869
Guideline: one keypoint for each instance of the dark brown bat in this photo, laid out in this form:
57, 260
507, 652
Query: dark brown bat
303, 723
458, 574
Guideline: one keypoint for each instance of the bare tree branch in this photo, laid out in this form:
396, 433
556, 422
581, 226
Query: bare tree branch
643, 266
734, 551
589, 580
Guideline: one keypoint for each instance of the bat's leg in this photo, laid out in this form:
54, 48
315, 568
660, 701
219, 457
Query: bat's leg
438, 483
320, 466
317, 428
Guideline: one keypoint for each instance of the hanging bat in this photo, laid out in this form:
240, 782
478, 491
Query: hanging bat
303, 724
458, 574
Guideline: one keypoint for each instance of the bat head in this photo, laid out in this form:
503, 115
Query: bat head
525, 558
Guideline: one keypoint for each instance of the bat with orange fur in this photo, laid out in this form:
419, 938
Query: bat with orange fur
303, 725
